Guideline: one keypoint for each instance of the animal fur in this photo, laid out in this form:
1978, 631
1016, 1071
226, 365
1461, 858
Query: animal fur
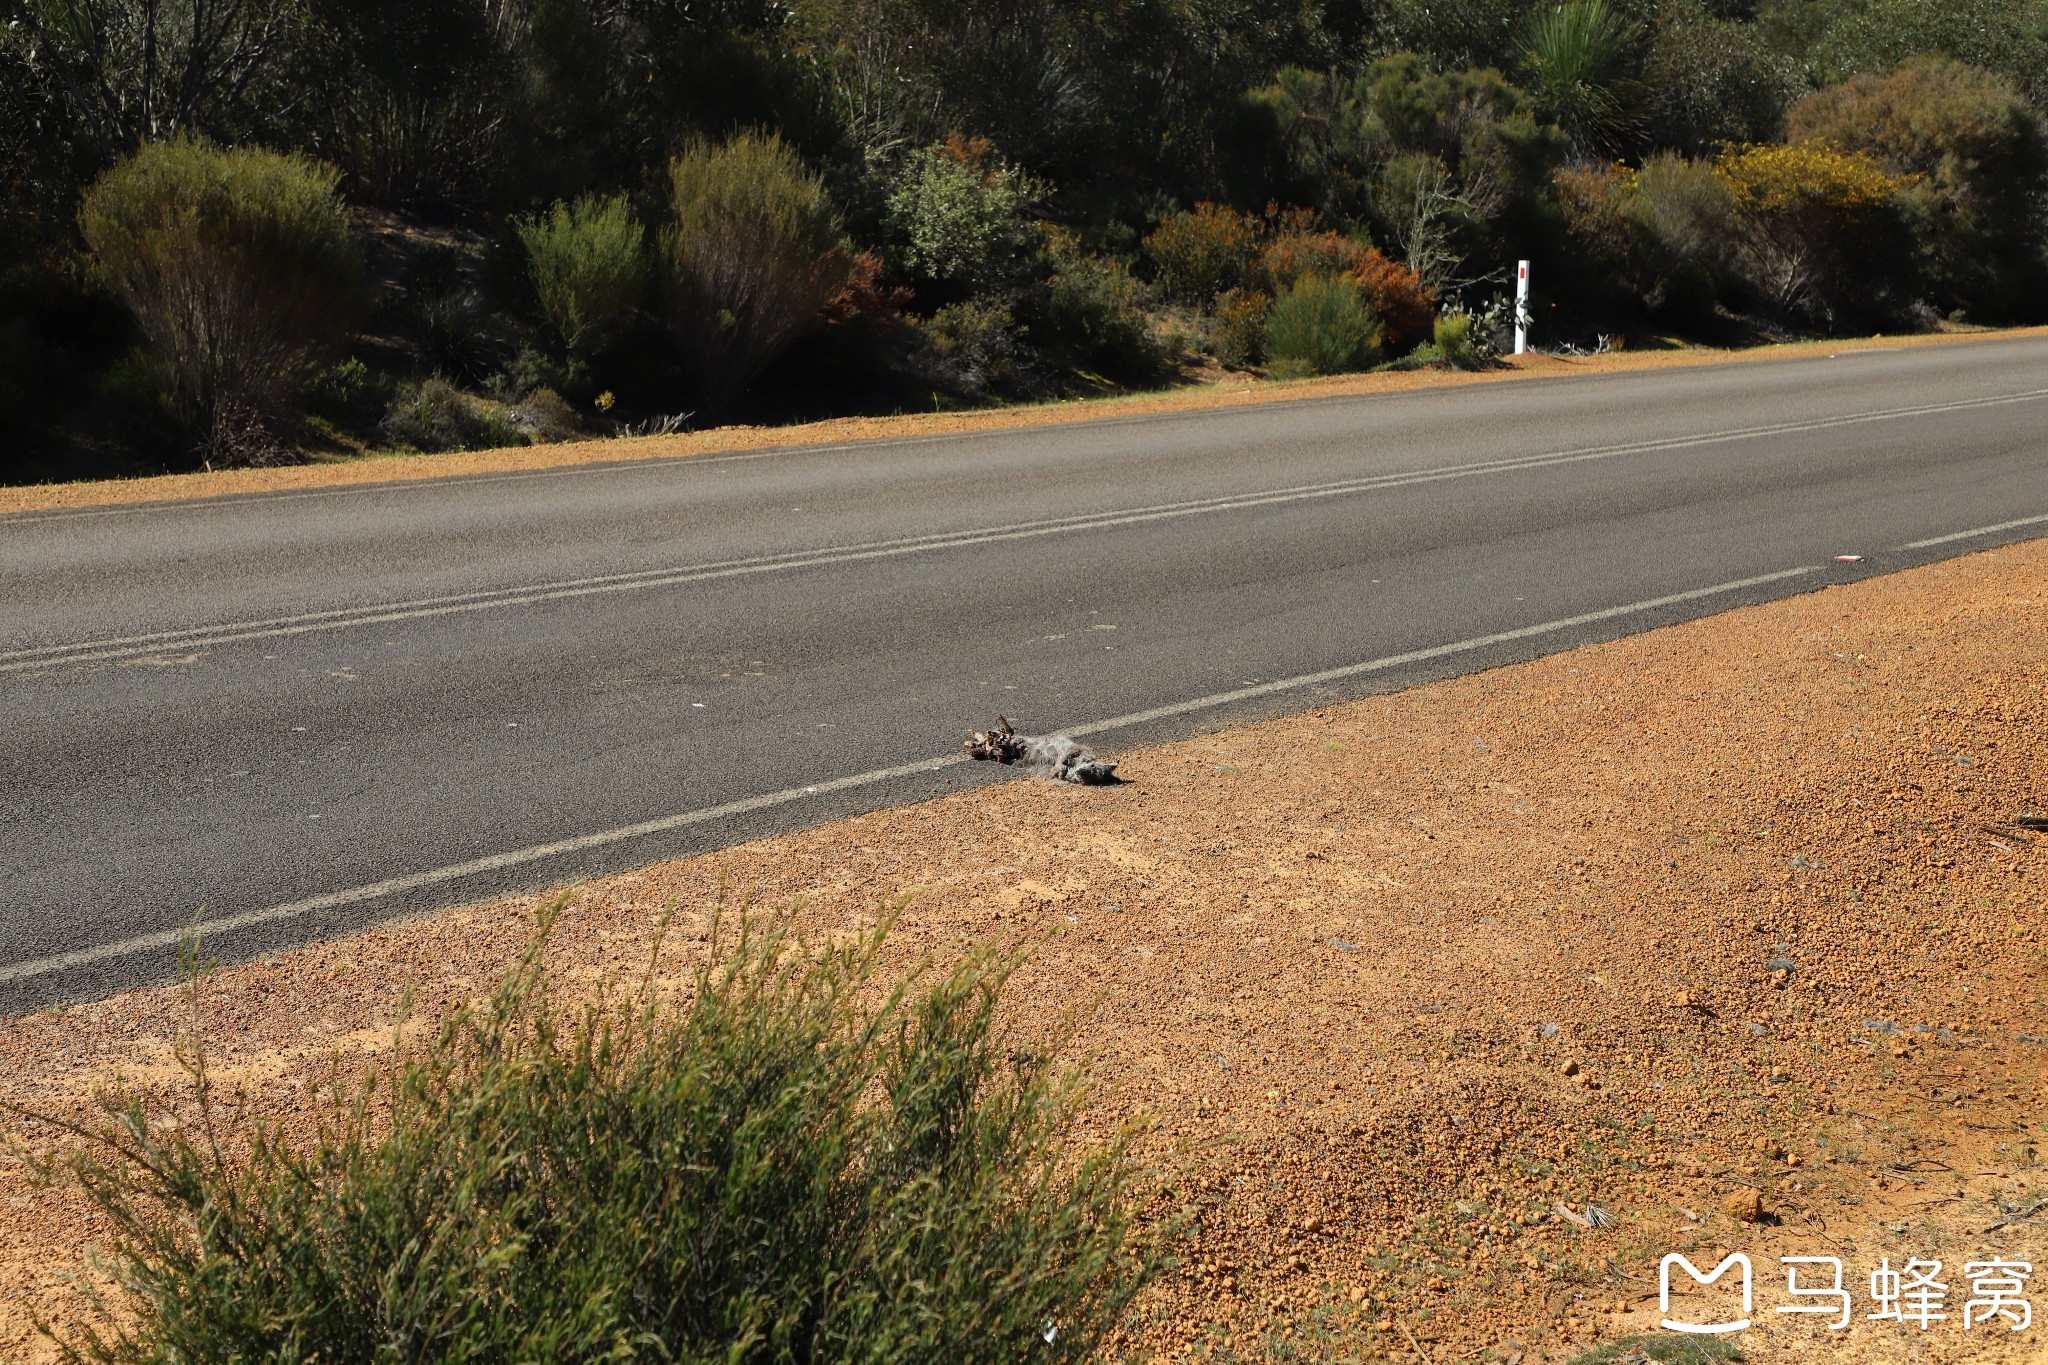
1053, 756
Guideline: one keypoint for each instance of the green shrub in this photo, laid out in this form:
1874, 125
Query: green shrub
1683, 231
1684, 207
1089, 315
786, 1163
1979, 153
1396, 294
588, 261
978, 347
546, 417
241, 273
1455, 347
1197, 255
1321, 326
960, 213
433, 415
750, 258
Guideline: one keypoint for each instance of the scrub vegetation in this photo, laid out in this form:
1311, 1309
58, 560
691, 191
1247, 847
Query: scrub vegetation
281, 229
783, 1159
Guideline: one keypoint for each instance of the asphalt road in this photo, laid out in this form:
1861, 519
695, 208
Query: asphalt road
288, 715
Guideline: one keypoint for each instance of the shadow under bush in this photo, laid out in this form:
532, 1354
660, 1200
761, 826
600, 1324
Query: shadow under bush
786, 1164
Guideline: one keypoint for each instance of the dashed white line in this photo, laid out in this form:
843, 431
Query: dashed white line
1954, 536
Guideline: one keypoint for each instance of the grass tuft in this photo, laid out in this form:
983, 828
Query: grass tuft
1662, 1349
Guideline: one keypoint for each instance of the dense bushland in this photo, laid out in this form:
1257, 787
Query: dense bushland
787, 1161
640, 215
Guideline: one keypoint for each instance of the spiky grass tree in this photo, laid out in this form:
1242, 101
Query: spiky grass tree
1578, 62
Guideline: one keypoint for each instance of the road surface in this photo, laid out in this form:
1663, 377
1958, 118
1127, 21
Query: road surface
285, 716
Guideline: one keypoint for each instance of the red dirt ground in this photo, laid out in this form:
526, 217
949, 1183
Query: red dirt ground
1400, 976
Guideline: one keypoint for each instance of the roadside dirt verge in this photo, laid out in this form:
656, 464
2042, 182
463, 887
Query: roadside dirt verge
1228, 391
1732, 909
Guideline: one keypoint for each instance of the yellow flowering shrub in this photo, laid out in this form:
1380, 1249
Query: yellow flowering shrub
1820, 235
1769, 180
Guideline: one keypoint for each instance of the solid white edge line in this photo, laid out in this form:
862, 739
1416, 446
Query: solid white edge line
1434, 652
24, 971
1932, 541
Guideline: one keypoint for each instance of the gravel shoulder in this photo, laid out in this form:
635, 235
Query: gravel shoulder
1733, 907
1227, 391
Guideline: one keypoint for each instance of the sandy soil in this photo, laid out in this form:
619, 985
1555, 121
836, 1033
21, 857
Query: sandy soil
1735, 906
1222, 391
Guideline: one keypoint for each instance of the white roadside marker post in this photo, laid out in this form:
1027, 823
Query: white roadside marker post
1521, 307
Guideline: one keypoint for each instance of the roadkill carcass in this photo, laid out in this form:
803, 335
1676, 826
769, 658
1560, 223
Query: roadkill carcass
1053, 756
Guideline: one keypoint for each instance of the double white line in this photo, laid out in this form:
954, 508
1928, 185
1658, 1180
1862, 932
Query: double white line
200, 637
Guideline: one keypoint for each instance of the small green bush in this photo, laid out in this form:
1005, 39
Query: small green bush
750, 258
960, 213
788, 1163
240, 270
1685, 210
1321, 326
433, 416
1452, 337
546, 417
588, 261
978, 347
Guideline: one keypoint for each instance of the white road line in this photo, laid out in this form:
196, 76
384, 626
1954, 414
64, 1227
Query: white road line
44, 966
1932, 541
1416, 656
48, 656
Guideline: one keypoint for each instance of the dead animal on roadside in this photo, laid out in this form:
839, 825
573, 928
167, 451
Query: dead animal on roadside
1053, 756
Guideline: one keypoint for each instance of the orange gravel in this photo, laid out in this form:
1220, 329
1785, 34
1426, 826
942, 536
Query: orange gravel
1225, 391
1400, 976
